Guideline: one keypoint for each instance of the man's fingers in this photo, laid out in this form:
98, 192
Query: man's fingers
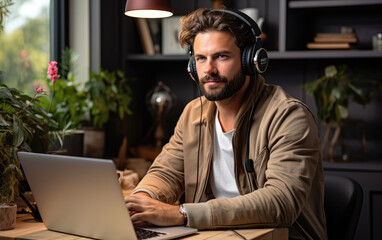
133, 207
137, 218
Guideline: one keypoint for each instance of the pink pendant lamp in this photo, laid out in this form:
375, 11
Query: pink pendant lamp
148, 8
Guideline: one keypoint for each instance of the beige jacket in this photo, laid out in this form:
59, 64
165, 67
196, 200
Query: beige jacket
284, 145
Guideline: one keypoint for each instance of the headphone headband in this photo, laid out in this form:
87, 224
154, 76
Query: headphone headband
244, 18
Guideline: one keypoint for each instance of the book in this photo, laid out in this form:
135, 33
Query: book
315, 45
336, 37
145, 36
155, 32
336, 40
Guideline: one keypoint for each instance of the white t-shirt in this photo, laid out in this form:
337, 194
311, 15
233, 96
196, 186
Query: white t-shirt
222, 180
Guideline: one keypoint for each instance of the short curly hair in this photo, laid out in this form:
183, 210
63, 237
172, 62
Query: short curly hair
205, 20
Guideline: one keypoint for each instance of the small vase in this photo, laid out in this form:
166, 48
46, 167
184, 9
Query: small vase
348, 142
8, 216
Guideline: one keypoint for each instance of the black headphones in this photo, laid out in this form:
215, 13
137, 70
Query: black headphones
254, 58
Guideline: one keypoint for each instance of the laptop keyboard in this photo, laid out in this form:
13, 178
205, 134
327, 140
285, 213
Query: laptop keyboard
147, 234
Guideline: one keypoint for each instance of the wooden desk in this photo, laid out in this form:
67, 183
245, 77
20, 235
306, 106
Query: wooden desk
27, 228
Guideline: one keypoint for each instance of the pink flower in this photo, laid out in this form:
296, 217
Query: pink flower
52, 64
53, 77
39, 89
52, 71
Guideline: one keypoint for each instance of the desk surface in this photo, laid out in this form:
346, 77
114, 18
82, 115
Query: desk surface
27, 228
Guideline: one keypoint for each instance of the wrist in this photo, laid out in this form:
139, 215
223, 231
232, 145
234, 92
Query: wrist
183, 211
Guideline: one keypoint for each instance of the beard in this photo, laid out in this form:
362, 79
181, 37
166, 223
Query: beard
230, 88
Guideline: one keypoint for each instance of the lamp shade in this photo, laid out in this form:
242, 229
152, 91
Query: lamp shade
148, 8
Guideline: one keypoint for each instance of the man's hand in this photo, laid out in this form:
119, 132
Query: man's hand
145, 209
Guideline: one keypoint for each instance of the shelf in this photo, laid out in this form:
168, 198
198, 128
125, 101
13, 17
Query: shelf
324, 54
339, 3
316, 54
156, 57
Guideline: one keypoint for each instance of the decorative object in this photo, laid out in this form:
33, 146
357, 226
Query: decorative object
332, 94
377, 42
170, 33
148, 8
252, 13
128, 179
159, 101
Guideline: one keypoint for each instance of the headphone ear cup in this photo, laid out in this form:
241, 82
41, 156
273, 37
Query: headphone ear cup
191, 68
261, 60
247, 58
254, 60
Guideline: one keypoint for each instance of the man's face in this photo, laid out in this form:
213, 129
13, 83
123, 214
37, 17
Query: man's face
218, 63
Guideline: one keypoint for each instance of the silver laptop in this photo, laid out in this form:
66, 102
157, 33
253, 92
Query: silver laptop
82, 196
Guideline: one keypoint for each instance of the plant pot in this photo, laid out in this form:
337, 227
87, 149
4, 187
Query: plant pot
94, 142
73, 144
8, 216
347, 143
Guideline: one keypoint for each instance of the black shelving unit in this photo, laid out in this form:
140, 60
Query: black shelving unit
294, 32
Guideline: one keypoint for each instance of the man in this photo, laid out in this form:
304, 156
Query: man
205, 158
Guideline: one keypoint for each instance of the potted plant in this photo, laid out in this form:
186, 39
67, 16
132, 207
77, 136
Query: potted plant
20, 121
332, 94
108, 92
66, 105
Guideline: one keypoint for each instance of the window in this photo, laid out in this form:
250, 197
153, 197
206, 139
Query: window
25, 45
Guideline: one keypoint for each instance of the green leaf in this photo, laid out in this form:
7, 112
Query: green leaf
5, 93
335, 94
357, 91
343, 112
330, 71
3, 122
18, 133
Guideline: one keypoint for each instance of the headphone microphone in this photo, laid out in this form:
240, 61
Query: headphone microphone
251, 174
